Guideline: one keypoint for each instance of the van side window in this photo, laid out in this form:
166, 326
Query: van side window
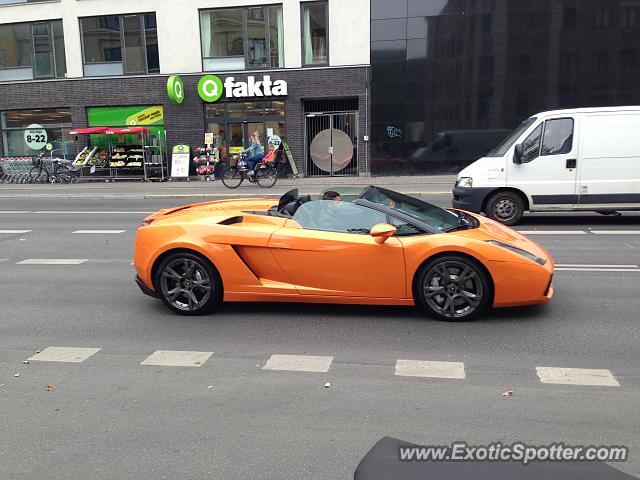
558, 136
531, 146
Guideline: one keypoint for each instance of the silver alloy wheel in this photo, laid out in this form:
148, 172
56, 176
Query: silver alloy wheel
453, 289
505, 209
186, 284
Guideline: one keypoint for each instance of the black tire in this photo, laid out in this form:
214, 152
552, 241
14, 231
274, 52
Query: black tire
266, 177
453, 298
188, 284
231, 177
505, 207
38, 176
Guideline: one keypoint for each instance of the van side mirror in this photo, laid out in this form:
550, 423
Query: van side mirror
518, 152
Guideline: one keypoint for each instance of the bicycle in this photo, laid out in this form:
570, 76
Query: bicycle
61, 172
265, 174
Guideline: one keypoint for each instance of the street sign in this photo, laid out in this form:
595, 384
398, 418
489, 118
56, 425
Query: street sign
180, 161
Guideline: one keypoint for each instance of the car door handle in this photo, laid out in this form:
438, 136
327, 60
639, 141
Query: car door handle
571, 162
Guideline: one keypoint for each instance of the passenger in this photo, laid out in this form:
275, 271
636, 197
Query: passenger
254, 151
331, 195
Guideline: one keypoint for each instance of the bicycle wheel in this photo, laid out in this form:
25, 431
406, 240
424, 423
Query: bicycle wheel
231, 177
37, 176
266, 177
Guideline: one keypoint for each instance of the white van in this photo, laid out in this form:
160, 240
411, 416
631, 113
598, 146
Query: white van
562, 160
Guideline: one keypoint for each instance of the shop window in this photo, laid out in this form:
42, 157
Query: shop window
242, 38
120, 44
32, 51
55, 121
315, 39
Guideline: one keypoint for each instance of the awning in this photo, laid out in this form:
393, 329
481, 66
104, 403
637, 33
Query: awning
88, 131
126, 131
109, 131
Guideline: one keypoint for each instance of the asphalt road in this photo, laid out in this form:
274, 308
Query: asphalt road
111, 417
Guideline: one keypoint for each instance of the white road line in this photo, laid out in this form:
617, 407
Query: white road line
421, 368
594, 266
577, 376
53, 261
597, 270
97, 232
3, 260
299, 363
64, 354
552, 232
9, 232
176, 358
616, 232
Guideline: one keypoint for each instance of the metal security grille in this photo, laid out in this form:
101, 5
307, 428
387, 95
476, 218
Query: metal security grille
331, 143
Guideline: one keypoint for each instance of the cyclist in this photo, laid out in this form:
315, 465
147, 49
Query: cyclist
254, 152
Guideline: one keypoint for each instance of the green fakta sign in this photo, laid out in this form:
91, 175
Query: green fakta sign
210, 88
175, 89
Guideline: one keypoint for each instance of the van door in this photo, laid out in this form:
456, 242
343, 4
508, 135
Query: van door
548, 170
610, 161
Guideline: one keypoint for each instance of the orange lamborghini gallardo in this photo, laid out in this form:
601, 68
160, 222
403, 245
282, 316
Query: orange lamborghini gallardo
366, 246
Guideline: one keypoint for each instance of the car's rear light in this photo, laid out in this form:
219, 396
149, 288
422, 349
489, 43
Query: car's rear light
146, 221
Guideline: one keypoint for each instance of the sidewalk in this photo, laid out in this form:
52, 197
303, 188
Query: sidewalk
414, 185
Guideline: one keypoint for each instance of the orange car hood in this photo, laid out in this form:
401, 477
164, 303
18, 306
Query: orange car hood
492, 230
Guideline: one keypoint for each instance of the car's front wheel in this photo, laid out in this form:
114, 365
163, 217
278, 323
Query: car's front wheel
505, 207
188, 284
452, 288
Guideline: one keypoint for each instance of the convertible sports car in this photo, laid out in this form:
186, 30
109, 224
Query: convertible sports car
369, 246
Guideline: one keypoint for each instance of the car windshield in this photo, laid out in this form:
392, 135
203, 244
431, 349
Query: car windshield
432, 215
506, 144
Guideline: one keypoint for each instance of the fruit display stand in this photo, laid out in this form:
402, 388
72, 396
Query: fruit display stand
119, 159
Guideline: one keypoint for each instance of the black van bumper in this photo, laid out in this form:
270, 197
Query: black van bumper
470, 198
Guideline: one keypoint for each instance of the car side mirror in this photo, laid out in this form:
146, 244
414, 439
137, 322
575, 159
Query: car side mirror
382, 231
518, 153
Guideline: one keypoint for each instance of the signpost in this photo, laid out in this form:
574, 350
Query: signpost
180, 162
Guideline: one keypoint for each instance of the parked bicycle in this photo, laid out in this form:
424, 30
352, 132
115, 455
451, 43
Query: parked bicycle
59, 171
265, 174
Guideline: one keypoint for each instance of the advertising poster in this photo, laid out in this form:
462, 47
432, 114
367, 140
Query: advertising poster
180, 159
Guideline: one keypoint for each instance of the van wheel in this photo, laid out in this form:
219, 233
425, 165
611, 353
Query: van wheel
505, 207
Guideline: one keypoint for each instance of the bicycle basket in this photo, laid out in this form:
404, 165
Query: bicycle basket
36, 161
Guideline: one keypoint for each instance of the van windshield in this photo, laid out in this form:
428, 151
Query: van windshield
505, 145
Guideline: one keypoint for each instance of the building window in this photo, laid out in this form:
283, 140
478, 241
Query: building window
32, 51
242, 38
315, 38
56, 122
120, 44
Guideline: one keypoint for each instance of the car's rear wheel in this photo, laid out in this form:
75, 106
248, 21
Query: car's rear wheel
188, 284
505, 207
453, 288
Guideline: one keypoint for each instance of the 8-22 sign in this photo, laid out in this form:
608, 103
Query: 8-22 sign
35, 136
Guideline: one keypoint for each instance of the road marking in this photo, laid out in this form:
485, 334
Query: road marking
53, 261
176, 358
421, 368
3, 260
594, 266
616, 232
9, 232
597, 270
99, 231
299, 363
64, 354
552, 232
577, 376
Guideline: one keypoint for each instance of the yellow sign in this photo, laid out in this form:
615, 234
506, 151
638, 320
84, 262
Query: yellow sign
147, 116
208, 138
234, 150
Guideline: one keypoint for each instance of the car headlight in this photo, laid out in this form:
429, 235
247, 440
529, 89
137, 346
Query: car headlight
519, 251
465, 182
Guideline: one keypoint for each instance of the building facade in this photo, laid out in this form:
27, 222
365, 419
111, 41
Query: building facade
450, 78
69, 64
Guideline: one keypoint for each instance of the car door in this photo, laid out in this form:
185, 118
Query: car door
326, 250
548, 170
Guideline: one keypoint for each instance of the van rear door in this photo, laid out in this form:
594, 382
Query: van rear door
610, 161
548, 173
